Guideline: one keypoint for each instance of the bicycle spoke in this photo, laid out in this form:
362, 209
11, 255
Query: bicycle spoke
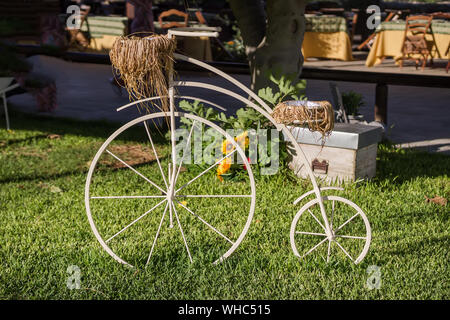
184, 153
137, 172
169, 174
127, 197
157, 234
350, 237
156, 155
214, 196
202, 220
329, 251
182, 233
345, 251
332, 216
188, 183
317, 220
342, 225
172, 134
134, 221
314, 248
311, 233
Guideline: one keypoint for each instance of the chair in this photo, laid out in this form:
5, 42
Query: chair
354, 21
340, 114
414, 41
76, 35
441, 15
392, 15
200, 18
172, 12
5, 106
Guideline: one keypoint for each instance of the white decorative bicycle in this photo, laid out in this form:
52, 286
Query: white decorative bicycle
159, 193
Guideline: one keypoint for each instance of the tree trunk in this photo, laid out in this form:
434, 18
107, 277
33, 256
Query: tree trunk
272, 46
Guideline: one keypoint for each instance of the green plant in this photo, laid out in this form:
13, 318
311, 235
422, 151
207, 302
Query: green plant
236, 46
248, 118
232, 172
352, 102
288, 88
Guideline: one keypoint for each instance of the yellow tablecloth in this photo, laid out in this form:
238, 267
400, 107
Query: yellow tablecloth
329, 45
388, 43
102, 44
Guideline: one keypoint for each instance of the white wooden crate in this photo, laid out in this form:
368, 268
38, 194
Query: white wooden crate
349, 153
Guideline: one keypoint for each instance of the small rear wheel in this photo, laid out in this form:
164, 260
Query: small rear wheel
350, 236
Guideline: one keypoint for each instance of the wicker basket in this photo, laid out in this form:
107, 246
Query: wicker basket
317, 115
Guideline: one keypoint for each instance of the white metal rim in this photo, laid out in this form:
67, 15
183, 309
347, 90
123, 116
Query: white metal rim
149, 117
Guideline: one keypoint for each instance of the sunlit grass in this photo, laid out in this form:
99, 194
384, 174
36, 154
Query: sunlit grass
44, 228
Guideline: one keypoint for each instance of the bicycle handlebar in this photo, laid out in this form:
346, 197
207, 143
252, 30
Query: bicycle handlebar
194, 32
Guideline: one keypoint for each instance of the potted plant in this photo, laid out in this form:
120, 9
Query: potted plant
352, 102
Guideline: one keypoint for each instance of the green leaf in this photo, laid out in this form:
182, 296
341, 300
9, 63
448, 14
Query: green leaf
268, 95
210, 114
186, 105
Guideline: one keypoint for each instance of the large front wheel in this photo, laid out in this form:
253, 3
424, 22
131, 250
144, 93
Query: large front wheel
143, 204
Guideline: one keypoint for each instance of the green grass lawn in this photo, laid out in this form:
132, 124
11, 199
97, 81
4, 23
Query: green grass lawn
44, 229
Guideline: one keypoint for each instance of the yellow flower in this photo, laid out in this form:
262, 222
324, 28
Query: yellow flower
224, 166
184, 203
227, 146
243, 140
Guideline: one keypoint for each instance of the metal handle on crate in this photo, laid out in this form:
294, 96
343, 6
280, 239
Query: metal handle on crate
317, 165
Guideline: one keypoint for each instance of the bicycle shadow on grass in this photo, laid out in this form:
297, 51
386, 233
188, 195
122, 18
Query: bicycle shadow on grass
61, 126
54, 176
53, 129
418, 248
398, 165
